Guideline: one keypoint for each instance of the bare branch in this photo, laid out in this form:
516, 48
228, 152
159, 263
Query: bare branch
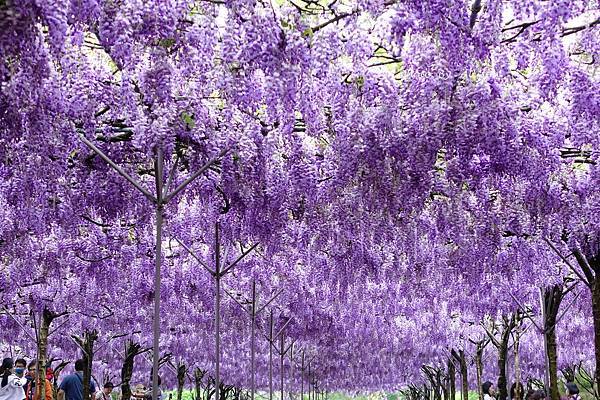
575, 29
585, 266
331, 21
474, 11
584, 280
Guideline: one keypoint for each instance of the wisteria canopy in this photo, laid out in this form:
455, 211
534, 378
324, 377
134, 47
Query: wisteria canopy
374, 195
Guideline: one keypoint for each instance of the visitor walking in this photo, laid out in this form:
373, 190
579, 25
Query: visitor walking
32, 391
71, 387
20, 365
104, 394
539, 394
517, 394
11, 386
489, 393
147, 395
572, 391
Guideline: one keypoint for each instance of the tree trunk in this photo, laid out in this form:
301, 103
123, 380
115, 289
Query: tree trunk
553, 296
132, 349
552, 365
181, 371
517, 338
464, 375
57, 372
88, 357
596, 318
590, 266
451, 380
479, 369
223, 392
198, 375
509, 324
502, 383
434, 377
42, 349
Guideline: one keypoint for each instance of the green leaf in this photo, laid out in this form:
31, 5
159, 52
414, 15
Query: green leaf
360, 81
188, 120
166, 43
308, 32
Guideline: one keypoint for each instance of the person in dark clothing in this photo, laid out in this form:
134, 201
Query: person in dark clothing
513, 391
71, 387
488, 391
32, 391
572, 391
539, 394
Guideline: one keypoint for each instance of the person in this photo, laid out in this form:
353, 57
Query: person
529, 393
71, 387
539, 394
11, 386
20, 365
139, 389
31, 391
488, 391
147, 395
572, 391
104, 394
513, 391
50, 374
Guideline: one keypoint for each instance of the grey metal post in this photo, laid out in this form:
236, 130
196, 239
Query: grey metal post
158, 259
271, 357
253, 312
217, 310
162, 197
302, 378
292, 371
253, 340
281, 356
309, 383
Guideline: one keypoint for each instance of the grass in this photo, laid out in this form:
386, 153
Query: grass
189, 395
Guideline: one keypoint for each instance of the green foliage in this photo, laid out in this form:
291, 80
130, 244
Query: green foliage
166, 43
188, 120
308, 32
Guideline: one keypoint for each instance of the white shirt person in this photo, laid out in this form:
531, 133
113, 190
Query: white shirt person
11, 386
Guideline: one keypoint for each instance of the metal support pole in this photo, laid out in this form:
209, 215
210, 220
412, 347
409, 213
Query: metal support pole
253, 340
253, 311
217, 310
291, 371
162, 198
158, 259
309, 383
281, 356
156, 321
302, 378
271, 357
